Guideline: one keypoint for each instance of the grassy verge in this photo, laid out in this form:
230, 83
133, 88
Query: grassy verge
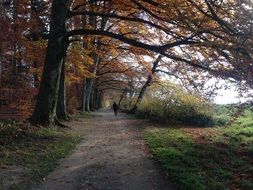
220, 159
35, 150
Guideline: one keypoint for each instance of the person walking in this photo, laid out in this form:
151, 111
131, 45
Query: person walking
115, 108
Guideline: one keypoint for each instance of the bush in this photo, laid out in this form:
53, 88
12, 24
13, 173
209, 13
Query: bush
224, 114
169, 102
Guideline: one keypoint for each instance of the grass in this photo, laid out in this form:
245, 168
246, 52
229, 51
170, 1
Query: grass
36, 150
220, 159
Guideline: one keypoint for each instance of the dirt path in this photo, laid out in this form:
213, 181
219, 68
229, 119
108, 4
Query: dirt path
112, 156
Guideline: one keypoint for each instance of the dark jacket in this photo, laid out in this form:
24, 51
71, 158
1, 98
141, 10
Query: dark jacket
115, 106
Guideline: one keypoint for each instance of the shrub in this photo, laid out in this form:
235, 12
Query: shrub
169, 102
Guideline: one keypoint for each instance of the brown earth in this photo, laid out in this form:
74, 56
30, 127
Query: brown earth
112, 156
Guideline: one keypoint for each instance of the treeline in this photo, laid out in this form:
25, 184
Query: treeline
86, 72
61, 56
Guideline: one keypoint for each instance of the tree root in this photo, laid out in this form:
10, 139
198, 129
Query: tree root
60, 124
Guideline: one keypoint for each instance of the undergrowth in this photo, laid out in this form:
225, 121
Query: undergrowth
168, 102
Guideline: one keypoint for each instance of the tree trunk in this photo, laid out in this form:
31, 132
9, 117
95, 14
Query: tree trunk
141, 94
101, 99
147, 84
82, 107
88, 93
45, 109
122, 96
92, 100
90, 82
96, 98
61, 104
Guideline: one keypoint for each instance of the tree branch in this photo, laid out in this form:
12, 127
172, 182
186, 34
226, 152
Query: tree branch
113, 15
154, 48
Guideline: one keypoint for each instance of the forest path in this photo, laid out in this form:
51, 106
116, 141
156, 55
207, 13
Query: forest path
112, 156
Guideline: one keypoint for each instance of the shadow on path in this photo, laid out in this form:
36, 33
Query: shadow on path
112, 156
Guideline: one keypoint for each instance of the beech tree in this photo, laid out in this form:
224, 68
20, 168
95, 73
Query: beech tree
184, 30
22, 42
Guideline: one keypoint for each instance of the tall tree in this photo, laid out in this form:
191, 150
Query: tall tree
185, 30
45, 110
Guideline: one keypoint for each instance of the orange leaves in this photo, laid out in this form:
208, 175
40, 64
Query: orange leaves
78, 62
18, 99
35, 50
79, 56
191, 30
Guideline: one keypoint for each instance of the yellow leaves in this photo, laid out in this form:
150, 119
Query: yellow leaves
172, 96
36, 71
143, 30
78, 62
79, 56
74, 75
73, 79
35, 50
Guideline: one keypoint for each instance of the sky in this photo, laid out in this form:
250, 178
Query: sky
224, 95
227, 96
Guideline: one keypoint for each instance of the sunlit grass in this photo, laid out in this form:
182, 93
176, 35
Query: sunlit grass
222, 160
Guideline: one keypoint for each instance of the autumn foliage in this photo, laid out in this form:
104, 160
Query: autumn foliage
111, 47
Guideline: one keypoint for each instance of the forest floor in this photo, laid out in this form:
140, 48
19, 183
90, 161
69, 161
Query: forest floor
112, 155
